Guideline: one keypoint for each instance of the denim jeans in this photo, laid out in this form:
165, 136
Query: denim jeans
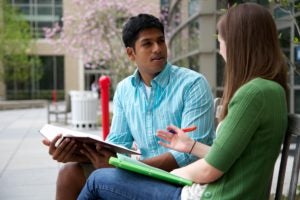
118, 184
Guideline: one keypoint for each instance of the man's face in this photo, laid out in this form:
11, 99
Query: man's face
150, 52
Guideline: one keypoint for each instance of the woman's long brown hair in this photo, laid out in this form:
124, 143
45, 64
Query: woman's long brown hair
252, 49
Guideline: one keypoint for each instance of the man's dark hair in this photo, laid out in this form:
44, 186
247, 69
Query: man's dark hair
139, 23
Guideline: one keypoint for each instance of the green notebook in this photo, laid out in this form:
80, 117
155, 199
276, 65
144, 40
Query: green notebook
133, 165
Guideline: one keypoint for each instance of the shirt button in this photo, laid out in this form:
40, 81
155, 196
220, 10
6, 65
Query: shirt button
207, 194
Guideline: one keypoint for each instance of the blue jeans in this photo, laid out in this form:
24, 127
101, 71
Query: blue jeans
117, 184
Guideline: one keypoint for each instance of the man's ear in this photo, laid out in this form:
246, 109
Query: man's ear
130, 53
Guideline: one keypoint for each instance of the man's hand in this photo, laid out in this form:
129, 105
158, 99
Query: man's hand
65, 151
98, 157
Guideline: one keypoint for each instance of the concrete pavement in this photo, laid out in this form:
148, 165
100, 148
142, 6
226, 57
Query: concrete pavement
27, 171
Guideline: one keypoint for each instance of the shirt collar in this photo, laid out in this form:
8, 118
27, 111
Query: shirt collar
162, 79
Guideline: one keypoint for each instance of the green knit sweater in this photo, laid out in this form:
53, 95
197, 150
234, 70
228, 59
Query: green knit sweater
248, 142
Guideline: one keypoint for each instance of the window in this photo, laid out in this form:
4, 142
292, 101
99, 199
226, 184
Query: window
194, 7
44, 77
40, 13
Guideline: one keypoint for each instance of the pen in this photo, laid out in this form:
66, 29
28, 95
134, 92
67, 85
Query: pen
187, 129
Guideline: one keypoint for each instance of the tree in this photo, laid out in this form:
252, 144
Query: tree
93, 32
15, 40
287, 8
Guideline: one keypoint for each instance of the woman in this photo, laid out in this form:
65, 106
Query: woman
240, 162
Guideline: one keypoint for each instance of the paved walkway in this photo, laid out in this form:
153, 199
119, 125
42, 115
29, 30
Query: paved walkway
27, 172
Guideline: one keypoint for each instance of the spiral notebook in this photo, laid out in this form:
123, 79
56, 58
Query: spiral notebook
136, 166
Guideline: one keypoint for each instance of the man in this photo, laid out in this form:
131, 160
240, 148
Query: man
156, 95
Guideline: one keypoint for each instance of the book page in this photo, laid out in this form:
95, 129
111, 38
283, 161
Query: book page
51, 131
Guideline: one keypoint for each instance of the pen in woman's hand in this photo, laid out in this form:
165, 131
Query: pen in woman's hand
187, 129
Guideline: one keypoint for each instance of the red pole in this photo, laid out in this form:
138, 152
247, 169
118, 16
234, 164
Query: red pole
104, 84
53, 97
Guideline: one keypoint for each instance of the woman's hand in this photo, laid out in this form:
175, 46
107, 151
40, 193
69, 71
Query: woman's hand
179, 140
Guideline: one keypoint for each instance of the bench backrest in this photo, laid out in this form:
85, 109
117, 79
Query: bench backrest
292, 136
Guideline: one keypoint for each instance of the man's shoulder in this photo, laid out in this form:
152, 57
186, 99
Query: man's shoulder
183, 73
126, 82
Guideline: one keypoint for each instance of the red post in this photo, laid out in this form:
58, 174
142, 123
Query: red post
104, 84
53, 97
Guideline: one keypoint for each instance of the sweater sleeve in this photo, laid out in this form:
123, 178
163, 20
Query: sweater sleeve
237, 128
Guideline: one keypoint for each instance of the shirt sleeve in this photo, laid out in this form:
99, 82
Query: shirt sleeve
119, 132
237, 128
198, 110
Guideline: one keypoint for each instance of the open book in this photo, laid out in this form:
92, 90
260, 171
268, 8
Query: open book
50, 131
136, 166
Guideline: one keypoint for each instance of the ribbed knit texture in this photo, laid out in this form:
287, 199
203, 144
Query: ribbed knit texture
248, 142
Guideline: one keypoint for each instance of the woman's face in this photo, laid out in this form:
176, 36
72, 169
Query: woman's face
222, 51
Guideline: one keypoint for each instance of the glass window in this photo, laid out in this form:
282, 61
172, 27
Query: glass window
194, 62
40, 11
220, 70
53, 67
194, 7
20, 1
297, 101
297, 74
222, 4
25, 9
285, 38
194, 35
44, 10
176, 16
45, 74
44, 1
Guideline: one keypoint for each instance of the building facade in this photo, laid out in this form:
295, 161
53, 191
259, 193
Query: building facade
62, 71
191, 26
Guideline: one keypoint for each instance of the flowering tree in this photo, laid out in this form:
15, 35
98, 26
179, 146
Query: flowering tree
93, 32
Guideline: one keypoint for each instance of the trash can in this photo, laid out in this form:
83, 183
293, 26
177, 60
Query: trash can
84, 106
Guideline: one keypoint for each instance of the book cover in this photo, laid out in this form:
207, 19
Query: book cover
50, 131
136, 166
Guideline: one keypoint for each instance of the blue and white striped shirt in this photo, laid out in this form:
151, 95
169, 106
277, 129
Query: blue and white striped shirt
178, 96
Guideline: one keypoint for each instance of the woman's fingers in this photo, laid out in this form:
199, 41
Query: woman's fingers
165, 135
174, 128
164, 144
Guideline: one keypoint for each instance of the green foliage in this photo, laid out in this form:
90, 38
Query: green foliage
15, 40
296, 40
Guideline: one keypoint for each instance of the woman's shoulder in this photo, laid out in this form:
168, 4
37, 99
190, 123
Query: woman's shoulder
261, 86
